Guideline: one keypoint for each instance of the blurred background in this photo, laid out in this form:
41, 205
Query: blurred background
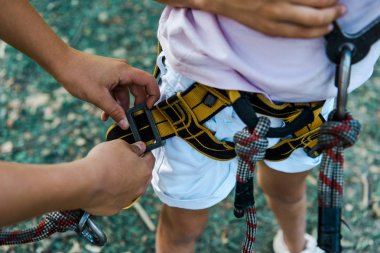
41, 123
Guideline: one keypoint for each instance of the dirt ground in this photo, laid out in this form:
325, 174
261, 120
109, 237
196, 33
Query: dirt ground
41, 123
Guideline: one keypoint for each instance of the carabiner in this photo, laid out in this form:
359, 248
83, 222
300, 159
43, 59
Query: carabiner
91, 231
342, 79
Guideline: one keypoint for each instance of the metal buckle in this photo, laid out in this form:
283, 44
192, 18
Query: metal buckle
91, 231
132, 124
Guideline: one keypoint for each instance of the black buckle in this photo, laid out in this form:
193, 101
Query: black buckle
132, 125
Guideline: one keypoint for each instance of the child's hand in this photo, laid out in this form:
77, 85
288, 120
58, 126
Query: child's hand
119, 172
286, 18
106, 83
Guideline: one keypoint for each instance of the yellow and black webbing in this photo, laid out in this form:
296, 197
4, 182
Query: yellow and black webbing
185, 113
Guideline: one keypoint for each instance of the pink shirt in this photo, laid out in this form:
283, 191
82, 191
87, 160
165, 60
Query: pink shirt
222, 53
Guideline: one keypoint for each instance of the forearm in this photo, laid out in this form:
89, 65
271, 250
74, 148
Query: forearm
216, 6
285, 18
31, 190
23, 28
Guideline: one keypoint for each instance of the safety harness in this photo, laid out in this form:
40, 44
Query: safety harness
339, 132
185, 113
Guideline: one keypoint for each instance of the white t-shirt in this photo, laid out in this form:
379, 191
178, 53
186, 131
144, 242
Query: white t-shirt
222, 53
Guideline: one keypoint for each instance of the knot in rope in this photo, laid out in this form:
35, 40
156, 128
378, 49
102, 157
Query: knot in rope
252, 146
343, 133
334, 137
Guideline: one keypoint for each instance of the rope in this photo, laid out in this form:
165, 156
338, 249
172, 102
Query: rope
334, 137
54, 222
250, 148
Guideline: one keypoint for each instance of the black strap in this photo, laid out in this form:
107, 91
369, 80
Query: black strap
360, 42
176, 117
329, 234
247, 114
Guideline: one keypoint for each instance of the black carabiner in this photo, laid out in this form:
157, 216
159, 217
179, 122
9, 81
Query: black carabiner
342, 80
89, 230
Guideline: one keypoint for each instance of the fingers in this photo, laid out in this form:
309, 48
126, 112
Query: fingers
141, 78
104, 116
149, 159
140, 94
113, 109
138, 148
122, 96
309, 17
316, 3
299, 18
294, 31
286, 18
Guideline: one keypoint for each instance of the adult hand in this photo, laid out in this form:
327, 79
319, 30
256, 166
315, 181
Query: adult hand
111, 176
102, 81
122, 172
106, 83
286, 18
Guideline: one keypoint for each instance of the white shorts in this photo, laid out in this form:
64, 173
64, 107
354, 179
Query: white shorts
185, 178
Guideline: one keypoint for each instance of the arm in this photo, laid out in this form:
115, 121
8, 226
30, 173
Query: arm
99, 80
287, 18
108, 179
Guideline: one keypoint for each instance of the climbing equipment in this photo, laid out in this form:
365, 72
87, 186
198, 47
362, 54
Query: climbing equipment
335, 137
78, 221
339, 132
250, 148
360, 43
185, 113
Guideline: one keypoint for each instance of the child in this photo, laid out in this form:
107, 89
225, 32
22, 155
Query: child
219, 52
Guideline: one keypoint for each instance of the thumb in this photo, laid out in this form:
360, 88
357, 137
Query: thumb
138, 148
109, 105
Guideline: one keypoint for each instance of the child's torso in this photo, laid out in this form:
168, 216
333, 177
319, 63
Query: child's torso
220, 52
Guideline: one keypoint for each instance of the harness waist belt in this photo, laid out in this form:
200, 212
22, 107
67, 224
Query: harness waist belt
185, 113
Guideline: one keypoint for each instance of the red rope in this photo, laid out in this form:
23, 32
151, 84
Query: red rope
54, 222
250, 148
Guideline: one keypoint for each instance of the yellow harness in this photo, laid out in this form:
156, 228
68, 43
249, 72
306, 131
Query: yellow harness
185, 113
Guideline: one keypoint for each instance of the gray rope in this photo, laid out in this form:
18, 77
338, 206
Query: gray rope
250, 148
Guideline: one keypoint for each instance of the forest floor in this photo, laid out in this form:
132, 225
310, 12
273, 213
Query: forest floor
41, 123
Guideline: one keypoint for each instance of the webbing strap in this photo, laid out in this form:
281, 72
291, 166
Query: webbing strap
360, 42
305, 137
183, 115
